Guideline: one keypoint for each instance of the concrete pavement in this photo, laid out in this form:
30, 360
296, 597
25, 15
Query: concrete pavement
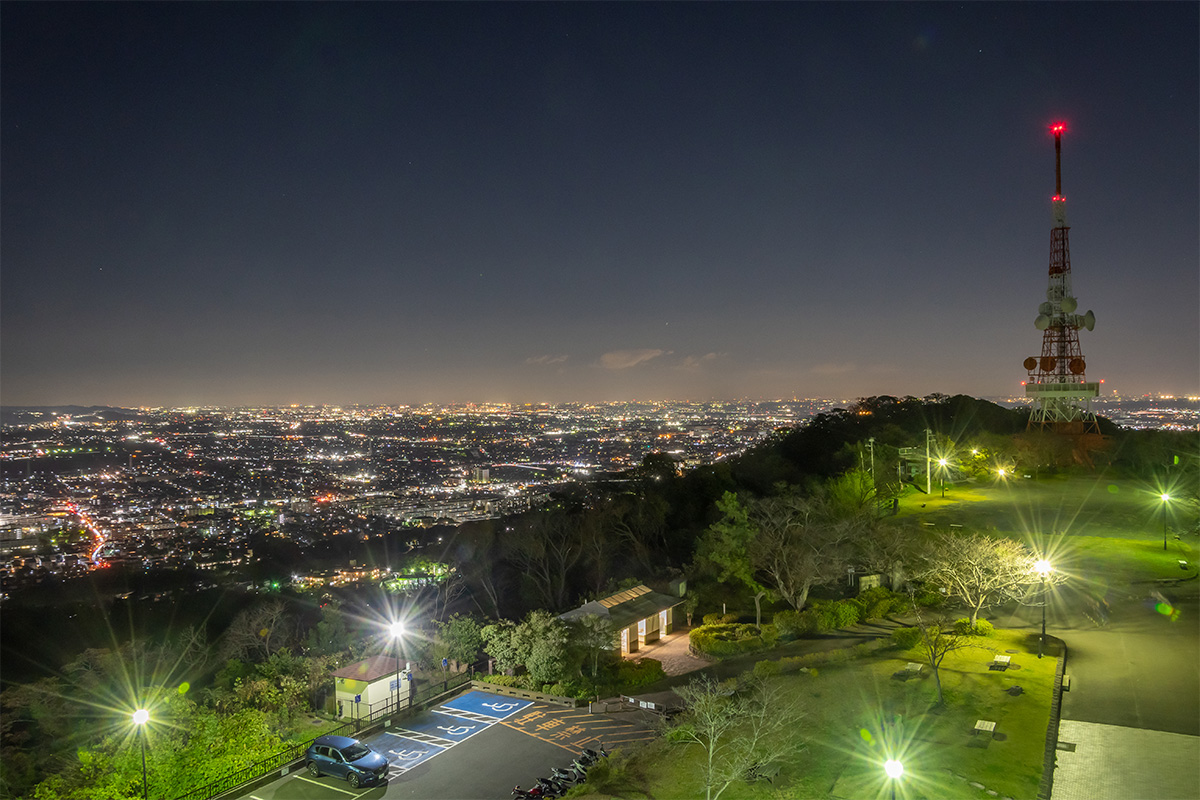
1131, 721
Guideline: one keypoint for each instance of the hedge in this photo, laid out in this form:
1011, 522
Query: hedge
724, 641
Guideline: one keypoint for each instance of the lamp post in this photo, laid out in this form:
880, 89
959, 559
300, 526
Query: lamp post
1165, 498
396, 629
894, 770
1042, 567
140, 718
942, 473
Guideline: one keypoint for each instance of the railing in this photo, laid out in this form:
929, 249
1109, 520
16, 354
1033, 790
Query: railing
294, 753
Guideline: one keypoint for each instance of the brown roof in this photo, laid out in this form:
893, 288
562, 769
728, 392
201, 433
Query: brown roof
369, 669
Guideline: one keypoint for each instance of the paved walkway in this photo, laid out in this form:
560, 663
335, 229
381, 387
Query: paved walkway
1111, 762
672, 651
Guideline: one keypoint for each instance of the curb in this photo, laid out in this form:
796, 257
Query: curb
1049, 760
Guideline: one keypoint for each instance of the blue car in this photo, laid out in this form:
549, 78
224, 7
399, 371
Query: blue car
345, 758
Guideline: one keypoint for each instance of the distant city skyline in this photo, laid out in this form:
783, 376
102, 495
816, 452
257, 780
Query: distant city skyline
266, 204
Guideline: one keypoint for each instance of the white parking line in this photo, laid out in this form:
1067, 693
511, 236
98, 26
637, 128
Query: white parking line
327, 786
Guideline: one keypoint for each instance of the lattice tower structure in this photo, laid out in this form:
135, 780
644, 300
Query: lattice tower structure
1057, 384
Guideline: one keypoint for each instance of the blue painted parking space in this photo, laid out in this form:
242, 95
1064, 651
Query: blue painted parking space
407, 753
444, 726
487, 705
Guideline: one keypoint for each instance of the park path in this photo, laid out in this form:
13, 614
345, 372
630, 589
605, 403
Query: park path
1130, 727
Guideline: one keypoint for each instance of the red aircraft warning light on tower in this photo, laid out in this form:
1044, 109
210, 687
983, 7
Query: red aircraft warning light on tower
1061, 395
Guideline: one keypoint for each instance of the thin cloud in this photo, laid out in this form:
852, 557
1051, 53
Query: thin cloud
624, 359
547, 359
696, 362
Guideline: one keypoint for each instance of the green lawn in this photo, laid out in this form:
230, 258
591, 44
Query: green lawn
846, 741
1098, 530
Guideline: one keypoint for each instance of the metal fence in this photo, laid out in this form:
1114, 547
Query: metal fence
294, 753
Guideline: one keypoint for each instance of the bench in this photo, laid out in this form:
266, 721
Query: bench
1000, 662
763, 772
984, 726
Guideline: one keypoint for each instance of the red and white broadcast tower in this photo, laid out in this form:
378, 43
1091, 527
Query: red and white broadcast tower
1062, 396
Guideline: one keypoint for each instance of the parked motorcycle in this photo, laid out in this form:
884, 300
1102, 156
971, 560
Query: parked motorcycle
590, 756
571, 776
551, 788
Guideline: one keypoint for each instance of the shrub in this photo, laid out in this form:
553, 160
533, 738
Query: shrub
635, 674
831, 616
513, 681
906, 638
770, 635
723, 641
930, 599
711, 619
877, 602
790, 625
963, 627
766, 669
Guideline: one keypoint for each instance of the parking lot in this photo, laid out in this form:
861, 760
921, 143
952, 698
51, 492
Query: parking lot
477, 745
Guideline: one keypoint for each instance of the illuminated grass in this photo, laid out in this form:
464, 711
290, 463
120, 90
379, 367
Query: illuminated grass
1096, 529
850, 729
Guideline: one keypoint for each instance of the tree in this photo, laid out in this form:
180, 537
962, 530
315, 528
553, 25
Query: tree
330, 635
546, 545
938, 640
547, 638
785, 544
258, 632
462, 638
726, 544
801, 543
736, 731
539, 643
594, 635
475, 553
977, 569
500, 641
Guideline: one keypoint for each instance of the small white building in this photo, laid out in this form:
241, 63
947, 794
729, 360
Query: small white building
370, 686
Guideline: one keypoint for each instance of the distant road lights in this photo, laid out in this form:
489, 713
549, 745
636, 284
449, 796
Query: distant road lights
1043, 568
894, 770
1165, 498
140, 718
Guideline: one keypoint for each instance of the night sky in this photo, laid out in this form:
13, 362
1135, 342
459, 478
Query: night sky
241, 203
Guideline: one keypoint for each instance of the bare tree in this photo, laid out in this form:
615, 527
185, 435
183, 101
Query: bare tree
978, 569
258, 632
886, 549
598, 542
475, 554
444, 593
641, 528
939, 639
798, 546
546, 546
736, 731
